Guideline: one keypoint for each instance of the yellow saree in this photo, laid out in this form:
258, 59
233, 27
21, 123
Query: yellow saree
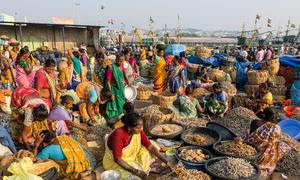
160, 75
76, 161
134, 154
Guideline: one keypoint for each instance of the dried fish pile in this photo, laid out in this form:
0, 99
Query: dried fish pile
238, 120
289, 164
166, 129
291, 142
94, 133
199, 139
190, 174
191, 122
237, 148
193, 155
234, 168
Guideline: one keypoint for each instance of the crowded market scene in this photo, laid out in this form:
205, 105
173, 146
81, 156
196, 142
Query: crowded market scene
116, 104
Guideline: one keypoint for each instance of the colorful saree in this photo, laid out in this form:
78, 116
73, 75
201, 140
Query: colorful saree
115, 108
23, 79
266, 139
46, 81
176, 82
76, 159
160, 74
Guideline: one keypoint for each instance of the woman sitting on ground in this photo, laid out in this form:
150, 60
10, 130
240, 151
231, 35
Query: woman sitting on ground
189, 106
63, 112
73, 158
129, 150
265, 137
262, 99
218, 102
41, 123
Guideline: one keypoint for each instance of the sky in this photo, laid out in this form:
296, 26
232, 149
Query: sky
200, 14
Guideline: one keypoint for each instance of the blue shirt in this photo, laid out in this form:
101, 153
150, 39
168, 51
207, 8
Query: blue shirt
221, 97
53, 152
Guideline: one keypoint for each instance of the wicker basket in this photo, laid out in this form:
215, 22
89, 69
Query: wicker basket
251, 89
276, 80
193, 68
200, 92
278, 98
143, 93
215, 74
203, 52
272, 66
257, 77
231, 70
225, 78
229, 88
153, 115
164, 100
280, 90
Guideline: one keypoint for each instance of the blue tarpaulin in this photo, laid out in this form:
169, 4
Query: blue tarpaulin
289, 61
175, 49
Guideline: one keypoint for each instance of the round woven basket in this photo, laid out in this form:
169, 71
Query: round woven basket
231, 70
193, 68
229, 89
143, 93
279, 90
164, 100
199, 93
215, 74
272, 66
276, 80
257, 77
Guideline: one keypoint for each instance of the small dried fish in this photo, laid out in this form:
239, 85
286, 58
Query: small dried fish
199, 139
237, 148
234, 168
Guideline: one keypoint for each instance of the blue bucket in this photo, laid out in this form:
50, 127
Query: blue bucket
290, 127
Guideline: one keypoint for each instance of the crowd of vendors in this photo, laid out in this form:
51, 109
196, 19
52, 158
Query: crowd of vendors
46, 95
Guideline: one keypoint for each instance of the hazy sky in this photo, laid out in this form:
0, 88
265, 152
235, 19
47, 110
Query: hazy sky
201, 14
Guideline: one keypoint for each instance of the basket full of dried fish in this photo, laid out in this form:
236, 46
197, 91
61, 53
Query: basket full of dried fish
200, 136
167, 130
236, 148
229, 168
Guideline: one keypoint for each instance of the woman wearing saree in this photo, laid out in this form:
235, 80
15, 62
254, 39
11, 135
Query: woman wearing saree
266, 139
177, 76
63, 112
73, 158
160, 74
24, 73
129, 151
7, 78
100, 68
188, 105
114, 80
45, 82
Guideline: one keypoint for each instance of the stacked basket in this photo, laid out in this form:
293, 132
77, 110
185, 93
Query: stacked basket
255, 78
231, 70
272, 66
278, 89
